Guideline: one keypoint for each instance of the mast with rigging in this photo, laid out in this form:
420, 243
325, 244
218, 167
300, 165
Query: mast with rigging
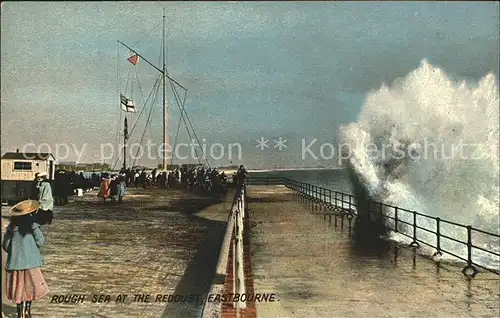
165, 106
178, 99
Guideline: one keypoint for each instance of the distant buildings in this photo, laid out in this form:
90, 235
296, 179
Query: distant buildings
18, 170
73, 166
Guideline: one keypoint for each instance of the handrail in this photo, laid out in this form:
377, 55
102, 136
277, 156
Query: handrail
238, 262
347, 202
232, 237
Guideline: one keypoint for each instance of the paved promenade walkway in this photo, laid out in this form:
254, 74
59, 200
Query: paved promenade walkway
155, 242
316, 272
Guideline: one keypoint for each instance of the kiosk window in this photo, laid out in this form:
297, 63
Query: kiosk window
20, 165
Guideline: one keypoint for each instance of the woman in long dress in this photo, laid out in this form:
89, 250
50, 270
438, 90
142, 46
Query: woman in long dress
104, 189
45, 215
22, 240
121, 188
113, 188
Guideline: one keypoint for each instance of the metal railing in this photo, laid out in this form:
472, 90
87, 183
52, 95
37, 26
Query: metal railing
238, 261
410, 224
232, 243
264, 181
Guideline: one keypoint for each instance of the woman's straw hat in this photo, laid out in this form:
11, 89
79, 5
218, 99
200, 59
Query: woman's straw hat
24, 207
43, 174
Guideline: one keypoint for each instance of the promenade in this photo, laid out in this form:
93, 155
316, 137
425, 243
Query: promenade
316, 271
155, 242
168, 242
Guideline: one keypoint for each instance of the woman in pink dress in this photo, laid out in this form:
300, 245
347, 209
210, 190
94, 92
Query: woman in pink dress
22, 240
105, 189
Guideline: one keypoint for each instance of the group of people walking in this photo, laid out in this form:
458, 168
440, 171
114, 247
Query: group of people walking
201, 179
112, 187
23, 238
195, 178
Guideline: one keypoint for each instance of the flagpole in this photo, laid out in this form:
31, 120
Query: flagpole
165, 133
125, 139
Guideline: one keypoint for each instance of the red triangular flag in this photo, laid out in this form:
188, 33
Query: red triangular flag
133, 59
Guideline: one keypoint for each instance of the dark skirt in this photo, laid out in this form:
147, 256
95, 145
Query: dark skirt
26, 285
44, 217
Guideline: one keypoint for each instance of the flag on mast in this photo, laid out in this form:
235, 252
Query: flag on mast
134, 59
127, 105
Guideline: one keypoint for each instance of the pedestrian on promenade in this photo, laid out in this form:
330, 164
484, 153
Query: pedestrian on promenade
21, 242
121, 184
113, 188
104, 188
162, 177
153, 176
142, 178
240, 176
46, 200
61, 187
136, 178
34, 188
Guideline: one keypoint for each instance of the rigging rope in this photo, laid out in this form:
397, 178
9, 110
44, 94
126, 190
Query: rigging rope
136, 122
147, 122
152, 138
147, 100
182, 117
183, 110
148, 34
176, 136
119, 115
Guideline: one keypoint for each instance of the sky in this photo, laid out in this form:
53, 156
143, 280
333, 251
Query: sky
295, 70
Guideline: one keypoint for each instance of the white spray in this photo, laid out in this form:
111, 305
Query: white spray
429, 144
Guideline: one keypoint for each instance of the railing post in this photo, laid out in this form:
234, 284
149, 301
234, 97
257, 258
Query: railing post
342, 212
438, 238
235, 255
239, 278
315, 191
349, 215
235, 238
322, 195
320, 201
241, 273
414, 243
243, 203
396, 219
300, 191
469, 270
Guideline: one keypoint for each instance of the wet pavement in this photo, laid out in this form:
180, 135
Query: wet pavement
316, 270
155, 242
